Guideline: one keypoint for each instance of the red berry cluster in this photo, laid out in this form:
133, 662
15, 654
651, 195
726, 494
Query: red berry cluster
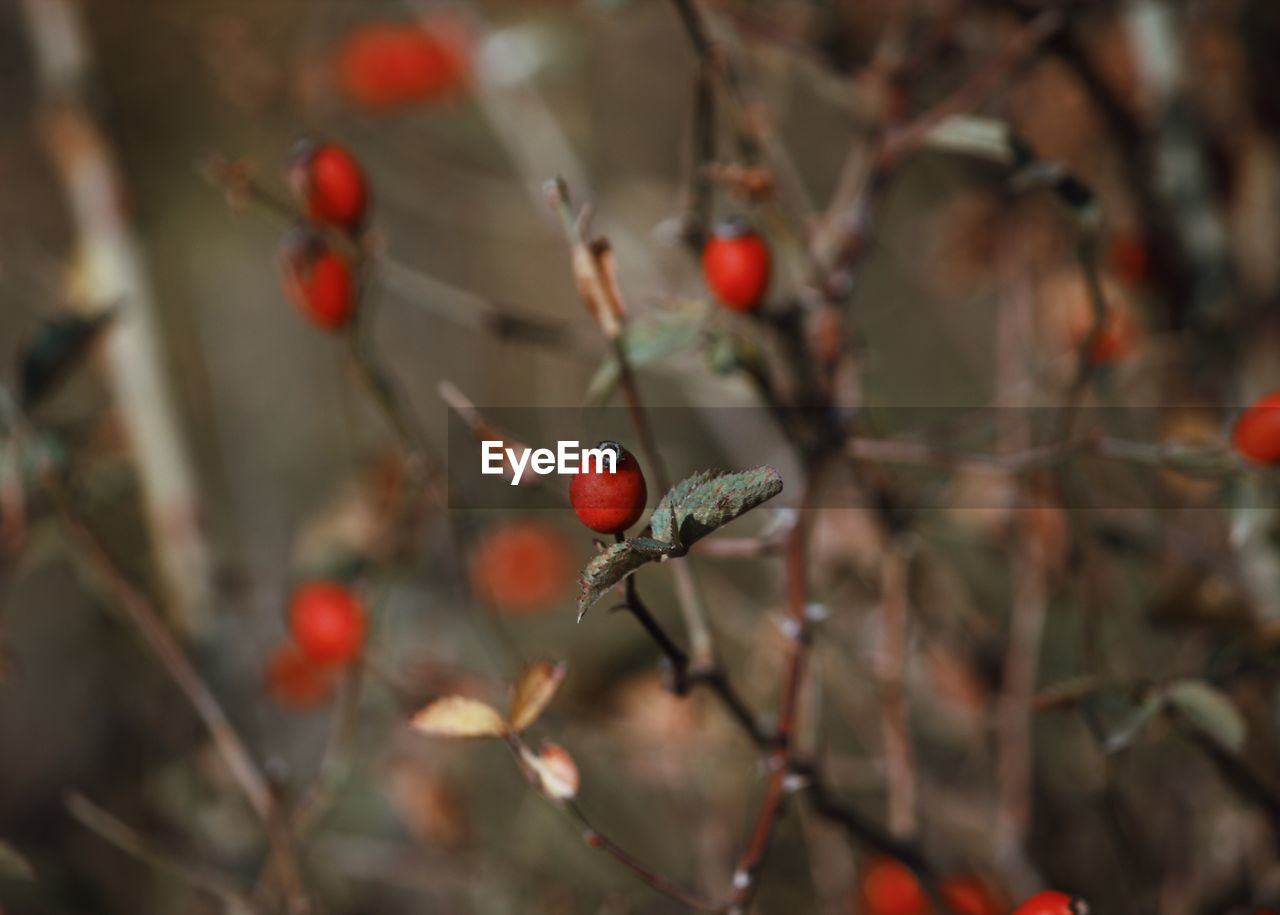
327, 628
888, 887
318, 273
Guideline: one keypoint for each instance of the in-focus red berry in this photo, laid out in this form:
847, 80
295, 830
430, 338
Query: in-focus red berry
318, 279
330, 184
1256, 434
969, 894
385, 66
1051, 902
521, 566
295, 679
327, 622
736, 266
887, 887
609, 503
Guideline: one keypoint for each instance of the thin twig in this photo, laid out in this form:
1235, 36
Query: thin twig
134, 843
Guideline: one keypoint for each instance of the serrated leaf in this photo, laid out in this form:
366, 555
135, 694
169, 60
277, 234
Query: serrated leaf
646, 342
14, 864
1210, 711
606, 569
54, 351
663, 522
707, 501
458, 716
553, 769
533, 692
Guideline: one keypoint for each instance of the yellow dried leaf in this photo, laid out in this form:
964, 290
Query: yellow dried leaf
458, 716
554, 769
533, 691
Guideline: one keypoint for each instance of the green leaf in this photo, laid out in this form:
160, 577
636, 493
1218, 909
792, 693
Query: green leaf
1210, 711
709, 500
54, 351
664, 521
646, 342
692, 509
607, 569
1134, 724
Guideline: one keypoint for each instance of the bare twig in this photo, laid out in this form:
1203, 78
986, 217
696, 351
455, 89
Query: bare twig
132, 842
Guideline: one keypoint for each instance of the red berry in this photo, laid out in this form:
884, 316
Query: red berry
1051, 902
735, 263
968, 894
319, 280
887, 887
1256, 434
521, 566
391, 65
609, 503
327, 622
1127, 258
296, 680
330, 183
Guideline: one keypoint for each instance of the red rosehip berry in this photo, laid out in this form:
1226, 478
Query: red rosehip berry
736, 265
609, 503
969, 894
1051, 902
887, 887
327, 622
318, 279
1256, 434
391, 65
330, 184
521, 566
295, 679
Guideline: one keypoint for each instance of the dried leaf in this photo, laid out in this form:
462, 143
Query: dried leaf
458, 716
533, 692
553, 769
55, 350
1210, 711
709, 500
606, 569
15, 866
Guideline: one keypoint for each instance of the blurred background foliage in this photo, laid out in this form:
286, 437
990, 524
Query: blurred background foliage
292, 460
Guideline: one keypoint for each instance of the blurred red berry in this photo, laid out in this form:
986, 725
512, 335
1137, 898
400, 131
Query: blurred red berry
330, 184
521, 566
391, 65
888, 887
1256, 434
1127, 259
1051, 902
318, 279
969, 894
327, 622
295, 679
736, 265
609, 503
1117, 338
